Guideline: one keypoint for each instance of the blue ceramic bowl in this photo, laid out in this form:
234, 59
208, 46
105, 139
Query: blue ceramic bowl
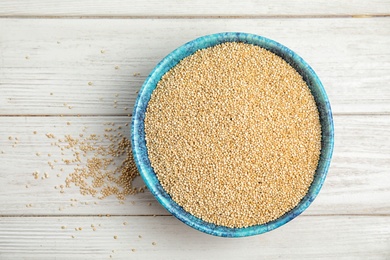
141, 154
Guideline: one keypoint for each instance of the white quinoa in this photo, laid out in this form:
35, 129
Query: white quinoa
95, 178
233, 134
103, 164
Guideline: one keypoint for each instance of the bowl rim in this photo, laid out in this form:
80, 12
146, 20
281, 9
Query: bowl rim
138, 141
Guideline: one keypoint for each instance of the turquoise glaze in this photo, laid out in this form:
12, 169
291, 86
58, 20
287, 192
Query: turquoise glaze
141, 154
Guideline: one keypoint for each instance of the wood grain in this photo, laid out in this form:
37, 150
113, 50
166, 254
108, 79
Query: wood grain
71, 66
358, 181
33, 152
331, 237
52, 63
198, 8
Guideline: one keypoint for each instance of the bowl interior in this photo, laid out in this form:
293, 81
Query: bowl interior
139, 144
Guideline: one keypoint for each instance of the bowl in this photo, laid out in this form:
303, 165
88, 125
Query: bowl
140, 152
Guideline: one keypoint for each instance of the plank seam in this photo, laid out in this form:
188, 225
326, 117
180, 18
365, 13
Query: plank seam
161, 215
386, 113
384, 15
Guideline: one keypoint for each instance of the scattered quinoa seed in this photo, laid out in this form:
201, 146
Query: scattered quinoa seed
101, 177
36, 174
233, 134
102, 164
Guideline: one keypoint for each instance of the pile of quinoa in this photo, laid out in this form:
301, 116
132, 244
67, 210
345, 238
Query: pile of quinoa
101, 165
233, 135
100, 176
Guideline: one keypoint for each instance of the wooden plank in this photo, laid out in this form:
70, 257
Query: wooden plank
358, 181
361, 161
191, 8
72, 66
31, 153
331, 237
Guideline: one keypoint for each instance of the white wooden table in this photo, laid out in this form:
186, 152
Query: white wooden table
51, 50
